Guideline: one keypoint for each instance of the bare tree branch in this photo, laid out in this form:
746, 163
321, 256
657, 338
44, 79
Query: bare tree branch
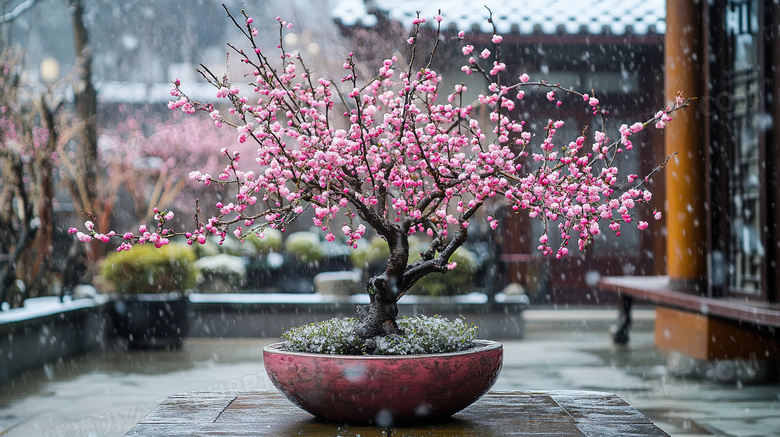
20, 9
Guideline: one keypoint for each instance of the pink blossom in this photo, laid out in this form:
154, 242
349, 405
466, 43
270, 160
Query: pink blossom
407, 148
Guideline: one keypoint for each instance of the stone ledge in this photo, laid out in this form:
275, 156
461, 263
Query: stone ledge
41, 337
253, 317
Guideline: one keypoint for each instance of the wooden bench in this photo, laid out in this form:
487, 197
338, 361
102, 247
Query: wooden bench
517, 413
700, 327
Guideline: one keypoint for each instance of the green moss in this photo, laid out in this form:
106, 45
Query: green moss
422, 335
146, 269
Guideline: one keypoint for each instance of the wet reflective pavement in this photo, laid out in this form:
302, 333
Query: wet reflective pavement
105, 394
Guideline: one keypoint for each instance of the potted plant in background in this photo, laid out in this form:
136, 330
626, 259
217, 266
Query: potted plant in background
264, 269
458, 281
151, 307
221, 273
401, 154
303, 253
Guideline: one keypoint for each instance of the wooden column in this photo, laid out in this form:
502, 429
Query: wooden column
685, 175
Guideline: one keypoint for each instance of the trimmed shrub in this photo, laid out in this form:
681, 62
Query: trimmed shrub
376, 251
271, 241
305, 247
223, 268
146, 269
459, 280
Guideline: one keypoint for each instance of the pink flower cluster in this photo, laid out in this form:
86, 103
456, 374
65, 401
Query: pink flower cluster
399, 157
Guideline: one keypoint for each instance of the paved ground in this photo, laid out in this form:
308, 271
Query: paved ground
105, 394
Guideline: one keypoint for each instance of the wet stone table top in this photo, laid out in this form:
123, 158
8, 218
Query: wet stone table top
515, 413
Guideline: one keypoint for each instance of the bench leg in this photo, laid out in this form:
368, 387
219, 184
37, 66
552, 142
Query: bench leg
620, 331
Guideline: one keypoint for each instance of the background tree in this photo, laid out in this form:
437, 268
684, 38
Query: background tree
29, 139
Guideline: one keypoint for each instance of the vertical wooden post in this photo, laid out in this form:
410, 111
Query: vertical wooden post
685, 175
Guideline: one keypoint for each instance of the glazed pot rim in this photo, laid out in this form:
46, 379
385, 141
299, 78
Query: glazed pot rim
477, 346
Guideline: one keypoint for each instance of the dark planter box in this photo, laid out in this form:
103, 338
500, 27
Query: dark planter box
152, 320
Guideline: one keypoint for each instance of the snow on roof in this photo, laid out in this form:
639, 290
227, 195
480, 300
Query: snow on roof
617, 17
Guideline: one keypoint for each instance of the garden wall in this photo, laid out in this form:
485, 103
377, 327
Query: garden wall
267, 316
48, 331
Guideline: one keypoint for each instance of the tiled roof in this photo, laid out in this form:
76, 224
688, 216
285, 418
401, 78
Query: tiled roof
550, 17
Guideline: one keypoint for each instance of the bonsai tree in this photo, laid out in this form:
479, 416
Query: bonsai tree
400, 154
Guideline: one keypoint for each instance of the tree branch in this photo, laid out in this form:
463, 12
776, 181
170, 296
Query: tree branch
20, 9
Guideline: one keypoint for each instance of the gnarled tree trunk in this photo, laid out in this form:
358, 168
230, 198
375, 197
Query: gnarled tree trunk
378, 318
